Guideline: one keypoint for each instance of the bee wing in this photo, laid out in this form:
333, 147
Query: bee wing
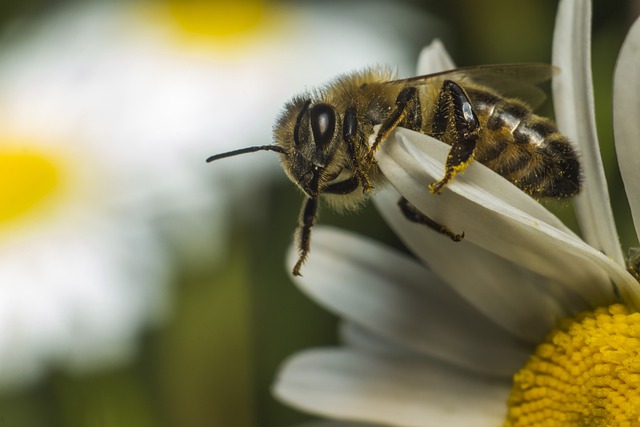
510, 80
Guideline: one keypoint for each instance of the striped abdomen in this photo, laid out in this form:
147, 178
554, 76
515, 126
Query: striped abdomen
526, 149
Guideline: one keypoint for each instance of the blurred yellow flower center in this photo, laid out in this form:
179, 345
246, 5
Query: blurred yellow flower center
585, 374
25, 180
217, 18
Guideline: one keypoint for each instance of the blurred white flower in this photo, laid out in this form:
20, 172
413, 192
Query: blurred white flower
446, 345
107, 113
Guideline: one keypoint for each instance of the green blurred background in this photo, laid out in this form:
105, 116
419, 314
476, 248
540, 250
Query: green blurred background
233, 322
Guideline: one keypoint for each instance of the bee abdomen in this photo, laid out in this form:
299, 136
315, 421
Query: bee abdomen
561, 177
529, 151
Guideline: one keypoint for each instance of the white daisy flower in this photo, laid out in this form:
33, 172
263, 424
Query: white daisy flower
476, 338
107, 113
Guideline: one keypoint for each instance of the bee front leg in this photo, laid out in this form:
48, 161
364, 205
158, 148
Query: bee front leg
407, 113
355, 144
455, 116
343, 187
308, 216
414, 215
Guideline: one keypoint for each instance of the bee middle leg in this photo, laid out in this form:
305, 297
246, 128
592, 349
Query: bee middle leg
414, 215
407, 113
456, 118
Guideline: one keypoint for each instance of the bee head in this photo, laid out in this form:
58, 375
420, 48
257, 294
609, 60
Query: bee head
307, 136
311, 144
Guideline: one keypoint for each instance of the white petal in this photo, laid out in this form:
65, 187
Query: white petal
574, 108
362, 339
434, 58
500, 218
626, 114
497, 286
101, 289
398, 299
397, 391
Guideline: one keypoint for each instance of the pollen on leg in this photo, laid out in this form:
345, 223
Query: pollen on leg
437, 187
585, 374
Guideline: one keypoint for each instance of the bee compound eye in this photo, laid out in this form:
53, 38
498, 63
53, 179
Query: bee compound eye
323, 124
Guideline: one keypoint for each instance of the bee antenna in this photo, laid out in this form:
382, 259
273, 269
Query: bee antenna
275, 148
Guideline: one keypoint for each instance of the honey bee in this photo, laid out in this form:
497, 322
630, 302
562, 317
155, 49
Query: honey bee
322, 136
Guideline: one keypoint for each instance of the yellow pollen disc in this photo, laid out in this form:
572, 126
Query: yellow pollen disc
585, 374
208, 23
25, 180
217, 18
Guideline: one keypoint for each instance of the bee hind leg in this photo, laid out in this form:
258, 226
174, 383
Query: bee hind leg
414, 215
456, 118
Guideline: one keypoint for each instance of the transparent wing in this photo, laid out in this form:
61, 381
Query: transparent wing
520, 81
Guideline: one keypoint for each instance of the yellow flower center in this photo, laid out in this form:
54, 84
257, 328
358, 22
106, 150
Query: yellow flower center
217, 18
227, 26
585, 374
25, 180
